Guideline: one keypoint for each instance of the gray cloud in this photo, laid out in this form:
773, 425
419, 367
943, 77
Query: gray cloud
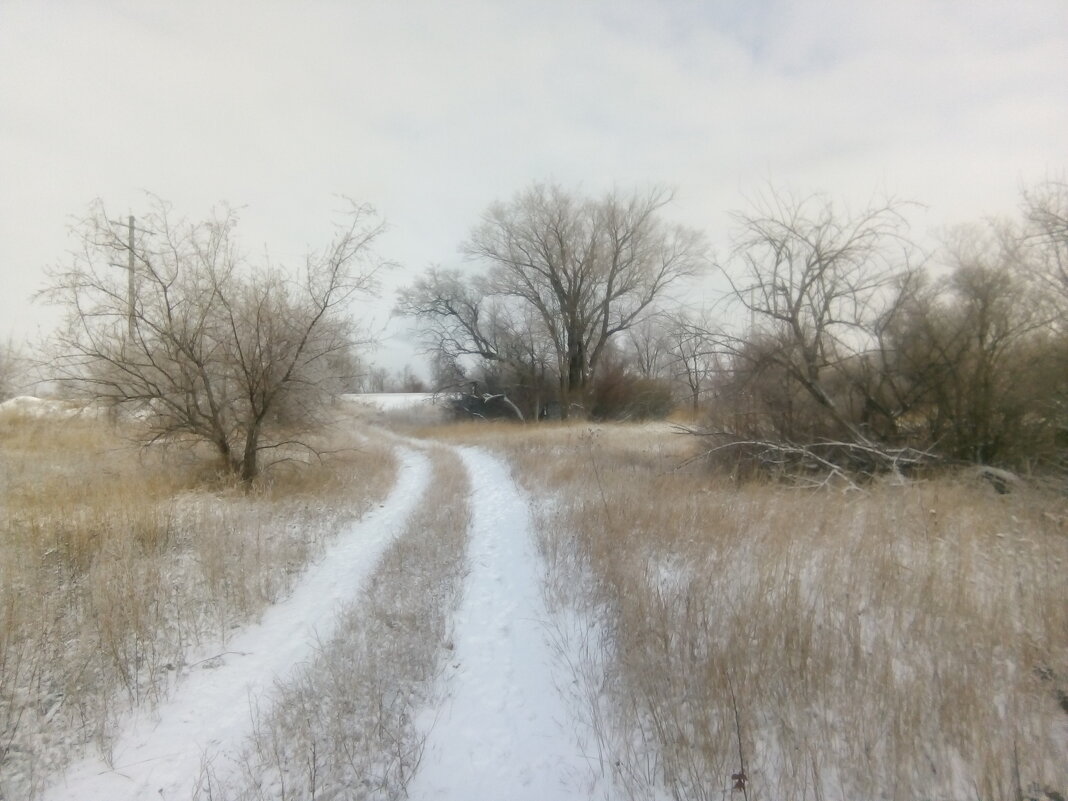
433, 110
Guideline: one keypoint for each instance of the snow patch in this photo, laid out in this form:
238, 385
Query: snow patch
506, 730
47, 408
393, 401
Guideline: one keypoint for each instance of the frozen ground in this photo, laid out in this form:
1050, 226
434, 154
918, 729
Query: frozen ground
161, 754
504, 730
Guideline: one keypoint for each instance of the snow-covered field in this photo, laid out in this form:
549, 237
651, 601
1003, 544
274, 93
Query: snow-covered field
393, 401
418, 403
160, 753
503, 731
47, 408
608, 626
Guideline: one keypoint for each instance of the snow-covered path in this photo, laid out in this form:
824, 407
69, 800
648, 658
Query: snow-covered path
160, 755
505, 731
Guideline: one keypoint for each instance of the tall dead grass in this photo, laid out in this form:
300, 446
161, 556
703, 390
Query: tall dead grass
898, 643
115, 560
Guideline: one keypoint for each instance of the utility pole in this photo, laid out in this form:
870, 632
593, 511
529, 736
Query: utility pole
131, 283
130, 289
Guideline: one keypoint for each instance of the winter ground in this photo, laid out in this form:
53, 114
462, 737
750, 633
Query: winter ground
392, 401
619, 629
502, 730
161, 753
505, 730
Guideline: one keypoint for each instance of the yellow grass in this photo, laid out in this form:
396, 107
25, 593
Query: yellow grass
114, 559
901, 642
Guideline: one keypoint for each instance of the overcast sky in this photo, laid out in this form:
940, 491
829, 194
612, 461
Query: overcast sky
431, 111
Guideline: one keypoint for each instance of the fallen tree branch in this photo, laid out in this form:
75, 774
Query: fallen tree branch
828, 459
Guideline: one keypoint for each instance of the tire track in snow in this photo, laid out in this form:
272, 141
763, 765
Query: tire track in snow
505, 731
161, 754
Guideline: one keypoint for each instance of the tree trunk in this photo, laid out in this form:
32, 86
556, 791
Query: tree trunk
227, 461
576, 378
249, 462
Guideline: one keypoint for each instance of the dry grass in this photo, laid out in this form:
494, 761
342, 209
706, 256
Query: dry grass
114, 560
900, 643
346, 726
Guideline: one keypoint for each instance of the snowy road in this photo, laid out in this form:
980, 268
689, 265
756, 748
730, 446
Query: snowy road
505, 731
160, 755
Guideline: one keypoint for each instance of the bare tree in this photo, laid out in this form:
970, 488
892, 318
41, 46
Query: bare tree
885, 382
1046, 247
459, 317
1046, 238
462, 320
983, 346
9, 370
210, 348
695, 351
816, 282
376, 380
587, 269
408, 381
648, 345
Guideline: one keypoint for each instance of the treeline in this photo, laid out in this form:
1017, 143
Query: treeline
856, 338
837, 342
838, 338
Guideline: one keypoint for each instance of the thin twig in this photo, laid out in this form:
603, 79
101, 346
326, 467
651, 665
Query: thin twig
741, 779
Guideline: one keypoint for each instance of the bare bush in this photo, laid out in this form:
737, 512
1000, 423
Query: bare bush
815, 280
851, 343
618, 393
200, 345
